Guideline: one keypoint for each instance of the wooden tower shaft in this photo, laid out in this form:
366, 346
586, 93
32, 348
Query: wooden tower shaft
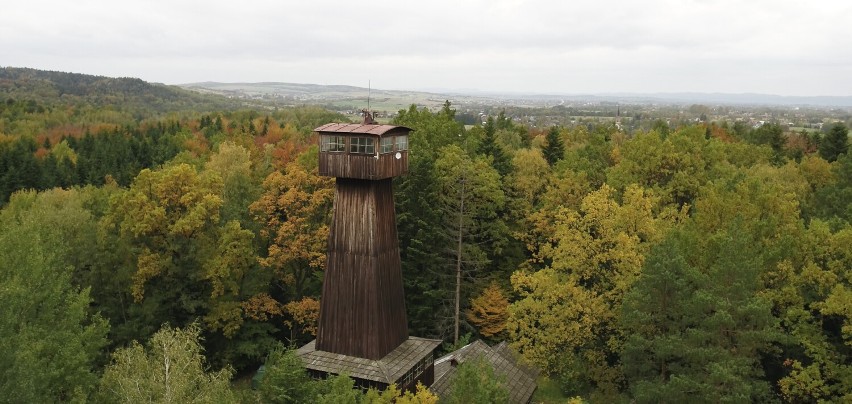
362, 312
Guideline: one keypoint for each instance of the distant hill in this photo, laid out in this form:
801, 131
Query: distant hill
737, 99
356, 97
132, 95
339, 97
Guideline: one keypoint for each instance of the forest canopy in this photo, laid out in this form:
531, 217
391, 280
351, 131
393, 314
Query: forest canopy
679, 261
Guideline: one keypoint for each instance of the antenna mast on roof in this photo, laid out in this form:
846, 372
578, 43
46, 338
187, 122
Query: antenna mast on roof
368, 114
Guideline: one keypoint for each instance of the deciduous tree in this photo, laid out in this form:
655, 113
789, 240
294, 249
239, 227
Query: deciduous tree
170, 369
476, 383
488, 311
571, 307
285, 379
49, 339
811, 291
295, 208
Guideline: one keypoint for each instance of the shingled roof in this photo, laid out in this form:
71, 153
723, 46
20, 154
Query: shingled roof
386, 370
359, 128
520, 379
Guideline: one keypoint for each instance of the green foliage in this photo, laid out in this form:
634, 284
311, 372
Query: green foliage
476, 383
133, 96
185, 264
674, 165
110, 155
555, 148
565, 317
422, 395
772, 135
338, 390
50, 341
163, 232
591, 157
489, 148
419, 219
830, 199
811, 293
470, 200
285, 379
464, 340
836, 143
233, 164
530, 179
695, 326
169, 369
550, 392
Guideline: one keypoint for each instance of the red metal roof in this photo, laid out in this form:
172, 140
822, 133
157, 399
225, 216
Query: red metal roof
358, 128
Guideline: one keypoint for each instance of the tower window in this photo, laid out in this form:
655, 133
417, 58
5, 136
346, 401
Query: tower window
387, 144
365, 145
332, 143
401, 143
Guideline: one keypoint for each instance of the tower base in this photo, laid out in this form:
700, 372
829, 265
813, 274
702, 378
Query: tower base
411, 362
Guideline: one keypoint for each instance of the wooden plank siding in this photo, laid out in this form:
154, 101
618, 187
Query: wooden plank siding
363, 166
362, 312
343, 164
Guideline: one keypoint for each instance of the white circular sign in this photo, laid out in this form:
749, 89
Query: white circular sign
398, 155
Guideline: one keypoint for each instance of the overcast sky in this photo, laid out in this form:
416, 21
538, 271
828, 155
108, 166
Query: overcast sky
784, 47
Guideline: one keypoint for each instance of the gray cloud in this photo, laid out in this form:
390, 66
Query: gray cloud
781, 47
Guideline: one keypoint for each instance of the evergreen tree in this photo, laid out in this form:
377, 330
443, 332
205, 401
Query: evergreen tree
696, 326
503, 122
770, 134
418, 217
835, 143
489, 147
555, 148
470, 201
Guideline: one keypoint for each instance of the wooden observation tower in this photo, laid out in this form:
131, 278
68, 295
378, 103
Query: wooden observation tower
363, 329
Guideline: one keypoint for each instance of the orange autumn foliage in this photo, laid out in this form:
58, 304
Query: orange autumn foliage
305, 313
489, 311
261, 307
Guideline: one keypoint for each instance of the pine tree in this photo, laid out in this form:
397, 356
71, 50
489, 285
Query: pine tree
555, 148
695, 323
489, 147
835, 143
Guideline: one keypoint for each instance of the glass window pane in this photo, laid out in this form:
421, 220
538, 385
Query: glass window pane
387, 144
363, 145
402, 142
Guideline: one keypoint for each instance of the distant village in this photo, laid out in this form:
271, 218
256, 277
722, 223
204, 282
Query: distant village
546, 111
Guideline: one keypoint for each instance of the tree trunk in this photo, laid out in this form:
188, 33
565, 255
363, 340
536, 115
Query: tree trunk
458, 261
